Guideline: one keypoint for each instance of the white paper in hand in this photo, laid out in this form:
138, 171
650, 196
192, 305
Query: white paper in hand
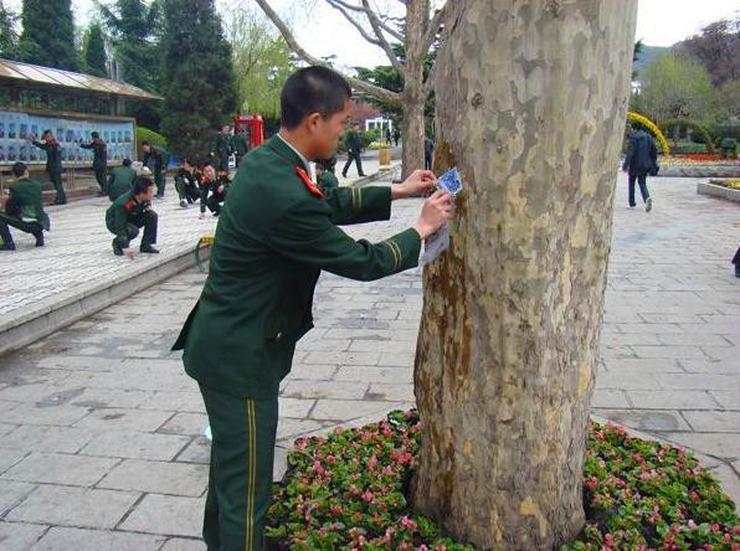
439, 241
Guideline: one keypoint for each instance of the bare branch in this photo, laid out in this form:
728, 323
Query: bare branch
434, 25
344, 11
368, 11
376, 25
376, 91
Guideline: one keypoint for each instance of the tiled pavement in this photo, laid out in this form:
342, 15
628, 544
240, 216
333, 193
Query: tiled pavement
100, 442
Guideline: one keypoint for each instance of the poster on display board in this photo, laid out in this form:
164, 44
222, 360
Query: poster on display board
16, 128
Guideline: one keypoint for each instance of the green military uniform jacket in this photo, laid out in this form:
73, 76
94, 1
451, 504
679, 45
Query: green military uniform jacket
353, 142
26, 202
100, 153
120, 181
123, 209
328, 181
239, 144
273, 239
53, 155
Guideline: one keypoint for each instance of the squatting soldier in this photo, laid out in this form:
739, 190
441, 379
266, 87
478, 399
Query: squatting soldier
219, 188
100, 158
121, 180
186, 184
276, 233
24, 210
53, 162
128, 213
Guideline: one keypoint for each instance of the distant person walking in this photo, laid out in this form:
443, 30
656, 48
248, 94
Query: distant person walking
428, 153
354, 148
641, 160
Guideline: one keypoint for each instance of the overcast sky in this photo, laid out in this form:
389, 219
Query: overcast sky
323, 31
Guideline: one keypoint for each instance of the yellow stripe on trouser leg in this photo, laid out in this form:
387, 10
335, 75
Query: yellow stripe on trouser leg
241, 471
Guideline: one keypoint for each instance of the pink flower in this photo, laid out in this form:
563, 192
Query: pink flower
368, 497
407, 523
373, 462
318, 469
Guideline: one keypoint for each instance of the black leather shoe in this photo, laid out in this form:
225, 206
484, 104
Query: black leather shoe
118, 251
39, 239
148, 249
7, 247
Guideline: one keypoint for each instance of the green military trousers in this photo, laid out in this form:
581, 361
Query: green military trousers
240, 476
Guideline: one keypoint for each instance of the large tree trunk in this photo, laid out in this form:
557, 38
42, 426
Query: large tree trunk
531, 101
417, 19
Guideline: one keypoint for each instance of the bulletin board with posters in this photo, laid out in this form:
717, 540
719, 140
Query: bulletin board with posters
15, 126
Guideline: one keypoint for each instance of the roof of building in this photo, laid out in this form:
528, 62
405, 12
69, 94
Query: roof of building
49, 76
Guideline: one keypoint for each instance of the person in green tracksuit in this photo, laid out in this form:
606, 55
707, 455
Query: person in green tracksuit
100, 159
128, 213
120, 180
24, 210
275, 235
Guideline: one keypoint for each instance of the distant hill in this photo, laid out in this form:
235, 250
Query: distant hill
649, 53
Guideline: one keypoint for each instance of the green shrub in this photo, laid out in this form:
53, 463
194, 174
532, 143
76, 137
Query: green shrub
144, 134
687, 148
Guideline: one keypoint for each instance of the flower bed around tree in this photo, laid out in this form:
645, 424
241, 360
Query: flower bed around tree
350, 491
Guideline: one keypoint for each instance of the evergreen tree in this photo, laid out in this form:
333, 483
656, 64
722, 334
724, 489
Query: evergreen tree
94, 51
8, 36
130, 23
198, 76
48, 34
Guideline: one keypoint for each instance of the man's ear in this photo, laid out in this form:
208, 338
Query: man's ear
313, 120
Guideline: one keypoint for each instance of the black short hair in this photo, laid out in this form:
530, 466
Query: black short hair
141, 184
126, 162
19, 169
312, 90
95, 135
145, 142
45, 132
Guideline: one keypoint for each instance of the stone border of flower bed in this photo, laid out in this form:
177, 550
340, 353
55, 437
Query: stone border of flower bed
714, 190
700, 171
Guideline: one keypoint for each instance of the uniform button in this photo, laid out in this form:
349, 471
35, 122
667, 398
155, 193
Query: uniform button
279, 335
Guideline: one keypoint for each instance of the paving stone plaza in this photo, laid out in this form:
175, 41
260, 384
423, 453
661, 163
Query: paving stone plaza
101, 415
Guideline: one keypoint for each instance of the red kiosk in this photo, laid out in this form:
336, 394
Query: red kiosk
254, 126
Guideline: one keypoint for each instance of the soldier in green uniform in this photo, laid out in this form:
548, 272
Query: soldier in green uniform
327, 180
53, 162
276, 233
120, 180
128, 213
223, 149
354, 149
154, 161
24, 210
100, 159
219, 188
239, 145
186, 184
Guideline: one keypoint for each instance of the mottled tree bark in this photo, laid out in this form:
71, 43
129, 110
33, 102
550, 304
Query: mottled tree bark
413, 96
531, 102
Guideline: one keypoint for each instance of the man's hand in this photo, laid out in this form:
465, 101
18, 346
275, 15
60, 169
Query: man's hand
436, 210
420, 182
130, 252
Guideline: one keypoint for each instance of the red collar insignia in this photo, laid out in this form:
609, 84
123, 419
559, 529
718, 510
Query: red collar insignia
308, 183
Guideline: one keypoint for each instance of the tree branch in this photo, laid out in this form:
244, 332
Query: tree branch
376, 25
343, 10
368, 11
434, 24
376, 91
